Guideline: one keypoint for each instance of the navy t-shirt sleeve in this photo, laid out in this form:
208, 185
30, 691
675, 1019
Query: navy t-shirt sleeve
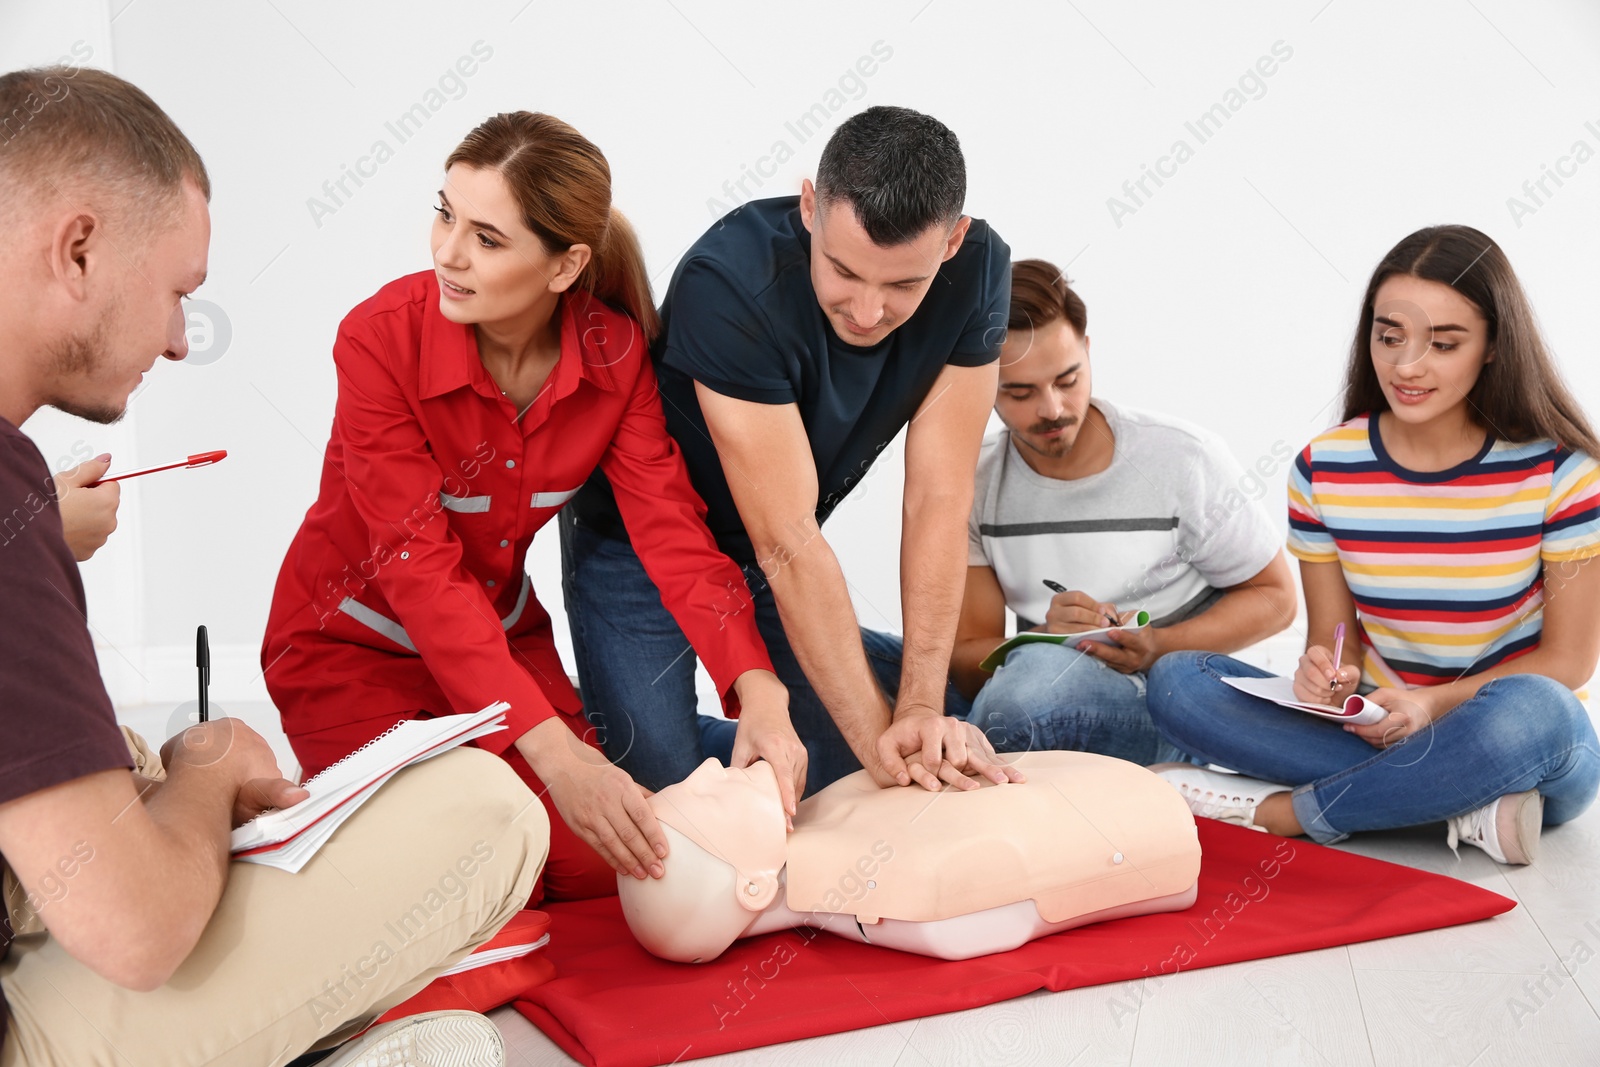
718, 335
985, 331
55, 715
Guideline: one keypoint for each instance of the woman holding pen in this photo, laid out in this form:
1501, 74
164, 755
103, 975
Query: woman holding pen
474, 399
1448, 524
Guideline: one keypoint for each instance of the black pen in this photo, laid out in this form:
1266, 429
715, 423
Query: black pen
1057, 587
202, 662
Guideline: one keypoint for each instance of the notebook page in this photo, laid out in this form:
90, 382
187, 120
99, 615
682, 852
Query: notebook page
401, 745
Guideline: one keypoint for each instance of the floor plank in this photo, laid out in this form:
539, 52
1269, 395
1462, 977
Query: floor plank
1286, 1010
1561, 893
1446, 1017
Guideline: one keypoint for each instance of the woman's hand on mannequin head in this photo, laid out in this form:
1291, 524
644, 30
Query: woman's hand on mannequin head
765, 732
598, 799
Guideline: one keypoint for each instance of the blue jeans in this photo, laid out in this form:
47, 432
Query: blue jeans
1520, 732
636, 669
883, 656
884, 653
1047, 697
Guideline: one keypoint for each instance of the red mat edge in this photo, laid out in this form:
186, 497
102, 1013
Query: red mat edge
986, 994
551, 1027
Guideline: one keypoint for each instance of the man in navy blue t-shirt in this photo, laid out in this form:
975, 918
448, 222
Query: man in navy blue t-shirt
800, 335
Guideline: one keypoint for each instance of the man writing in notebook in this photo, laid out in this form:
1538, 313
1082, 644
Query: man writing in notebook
1083, 513
128, 936
799, 336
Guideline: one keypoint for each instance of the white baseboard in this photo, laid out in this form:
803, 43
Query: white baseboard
165, 674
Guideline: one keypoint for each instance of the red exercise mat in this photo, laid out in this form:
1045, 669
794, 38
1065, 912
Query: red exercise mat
497, 972
614, 1005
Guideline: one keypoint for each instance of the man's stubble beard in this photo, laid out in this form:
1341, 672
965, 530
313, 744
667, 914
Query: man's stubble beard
82, 357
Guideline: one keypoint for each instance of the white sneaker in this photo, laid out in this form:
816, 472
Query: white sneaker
432, 1039
1213, 795
1507, 829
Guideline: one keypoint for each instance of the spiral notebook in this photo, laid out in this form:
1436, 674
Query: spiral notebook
288, 837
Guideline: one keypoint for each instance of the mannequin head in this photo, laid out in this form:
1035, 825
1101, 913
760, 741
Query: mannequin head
726, 840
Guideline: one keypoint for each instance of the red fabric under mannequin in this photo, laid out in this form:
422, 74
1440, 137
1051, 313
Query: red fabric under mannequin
612, 1004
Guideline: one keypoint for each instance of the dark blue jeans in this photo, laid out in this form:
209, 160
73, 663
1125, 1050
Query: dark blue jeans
636, 669
1047, 697
884, 652
1520, 732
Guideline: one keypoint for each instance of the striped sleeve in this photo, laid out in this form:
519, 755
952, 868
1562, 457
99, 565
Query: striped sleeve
1309, 539
1572, 514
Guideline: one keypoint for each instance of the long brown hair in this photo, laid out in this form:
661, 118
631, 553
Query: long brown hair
1519, 394
562, 184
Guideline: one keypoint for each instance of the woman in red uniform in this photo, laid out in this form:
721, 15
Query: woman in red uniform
474, 399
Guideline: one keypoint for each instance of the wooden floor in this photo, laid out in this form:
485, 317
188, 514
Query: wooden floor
1521, 988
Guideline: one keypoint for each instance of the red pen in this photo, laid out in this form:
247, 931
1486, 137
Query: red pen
201, 459
1338, 654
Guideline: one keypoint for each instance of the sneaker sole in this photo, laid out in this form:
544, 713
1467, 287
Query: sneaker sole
1157, 768
461, 1041
1527, 820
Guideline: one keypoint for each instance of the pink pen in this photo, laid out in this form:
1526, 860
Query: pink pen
1338, 657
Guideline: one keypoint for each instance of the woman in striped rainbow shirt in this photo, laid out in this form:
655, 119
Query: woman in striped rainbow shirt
1447, 522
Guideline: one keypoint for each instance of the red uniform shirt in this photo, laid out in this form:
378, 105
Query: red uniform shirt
432, 490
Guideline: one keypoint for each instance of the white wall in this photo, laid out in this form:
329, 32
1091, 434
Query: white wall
1228, 295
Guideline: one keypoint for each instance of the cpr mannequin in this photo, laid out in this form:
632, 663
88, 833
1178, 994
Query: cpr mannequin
956, 874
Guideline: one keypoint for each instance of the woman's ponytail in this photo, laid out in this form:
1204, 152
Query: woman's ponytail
617, 275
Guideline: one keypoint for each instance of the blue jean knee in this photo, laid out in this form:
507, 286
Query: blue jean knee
1536, 715
1047, 696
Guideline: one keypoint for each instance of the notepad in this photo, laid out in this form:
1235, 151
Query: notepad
287, 838
1355, 709
1140, 620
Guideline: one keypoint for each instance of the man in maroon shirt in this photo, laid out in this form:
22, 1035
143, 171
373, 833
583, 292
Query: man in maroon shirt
128, 936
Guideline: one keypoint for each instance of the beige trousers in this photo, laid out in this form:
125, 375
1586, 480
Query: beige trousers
427, 870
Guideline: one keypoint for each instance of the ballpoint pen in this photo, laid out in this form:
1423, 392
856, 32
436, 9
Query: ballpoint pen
1057, 587
199, 459
202, 662
1338, 657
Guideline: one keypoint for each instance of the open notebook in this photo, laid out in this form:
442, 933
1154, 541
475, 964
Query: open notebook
289, 837
1355, 709
1139, 621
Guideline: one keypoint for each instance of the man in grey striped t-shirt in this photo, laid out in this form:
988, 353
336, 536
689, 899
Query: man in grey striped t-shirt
1119, 510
